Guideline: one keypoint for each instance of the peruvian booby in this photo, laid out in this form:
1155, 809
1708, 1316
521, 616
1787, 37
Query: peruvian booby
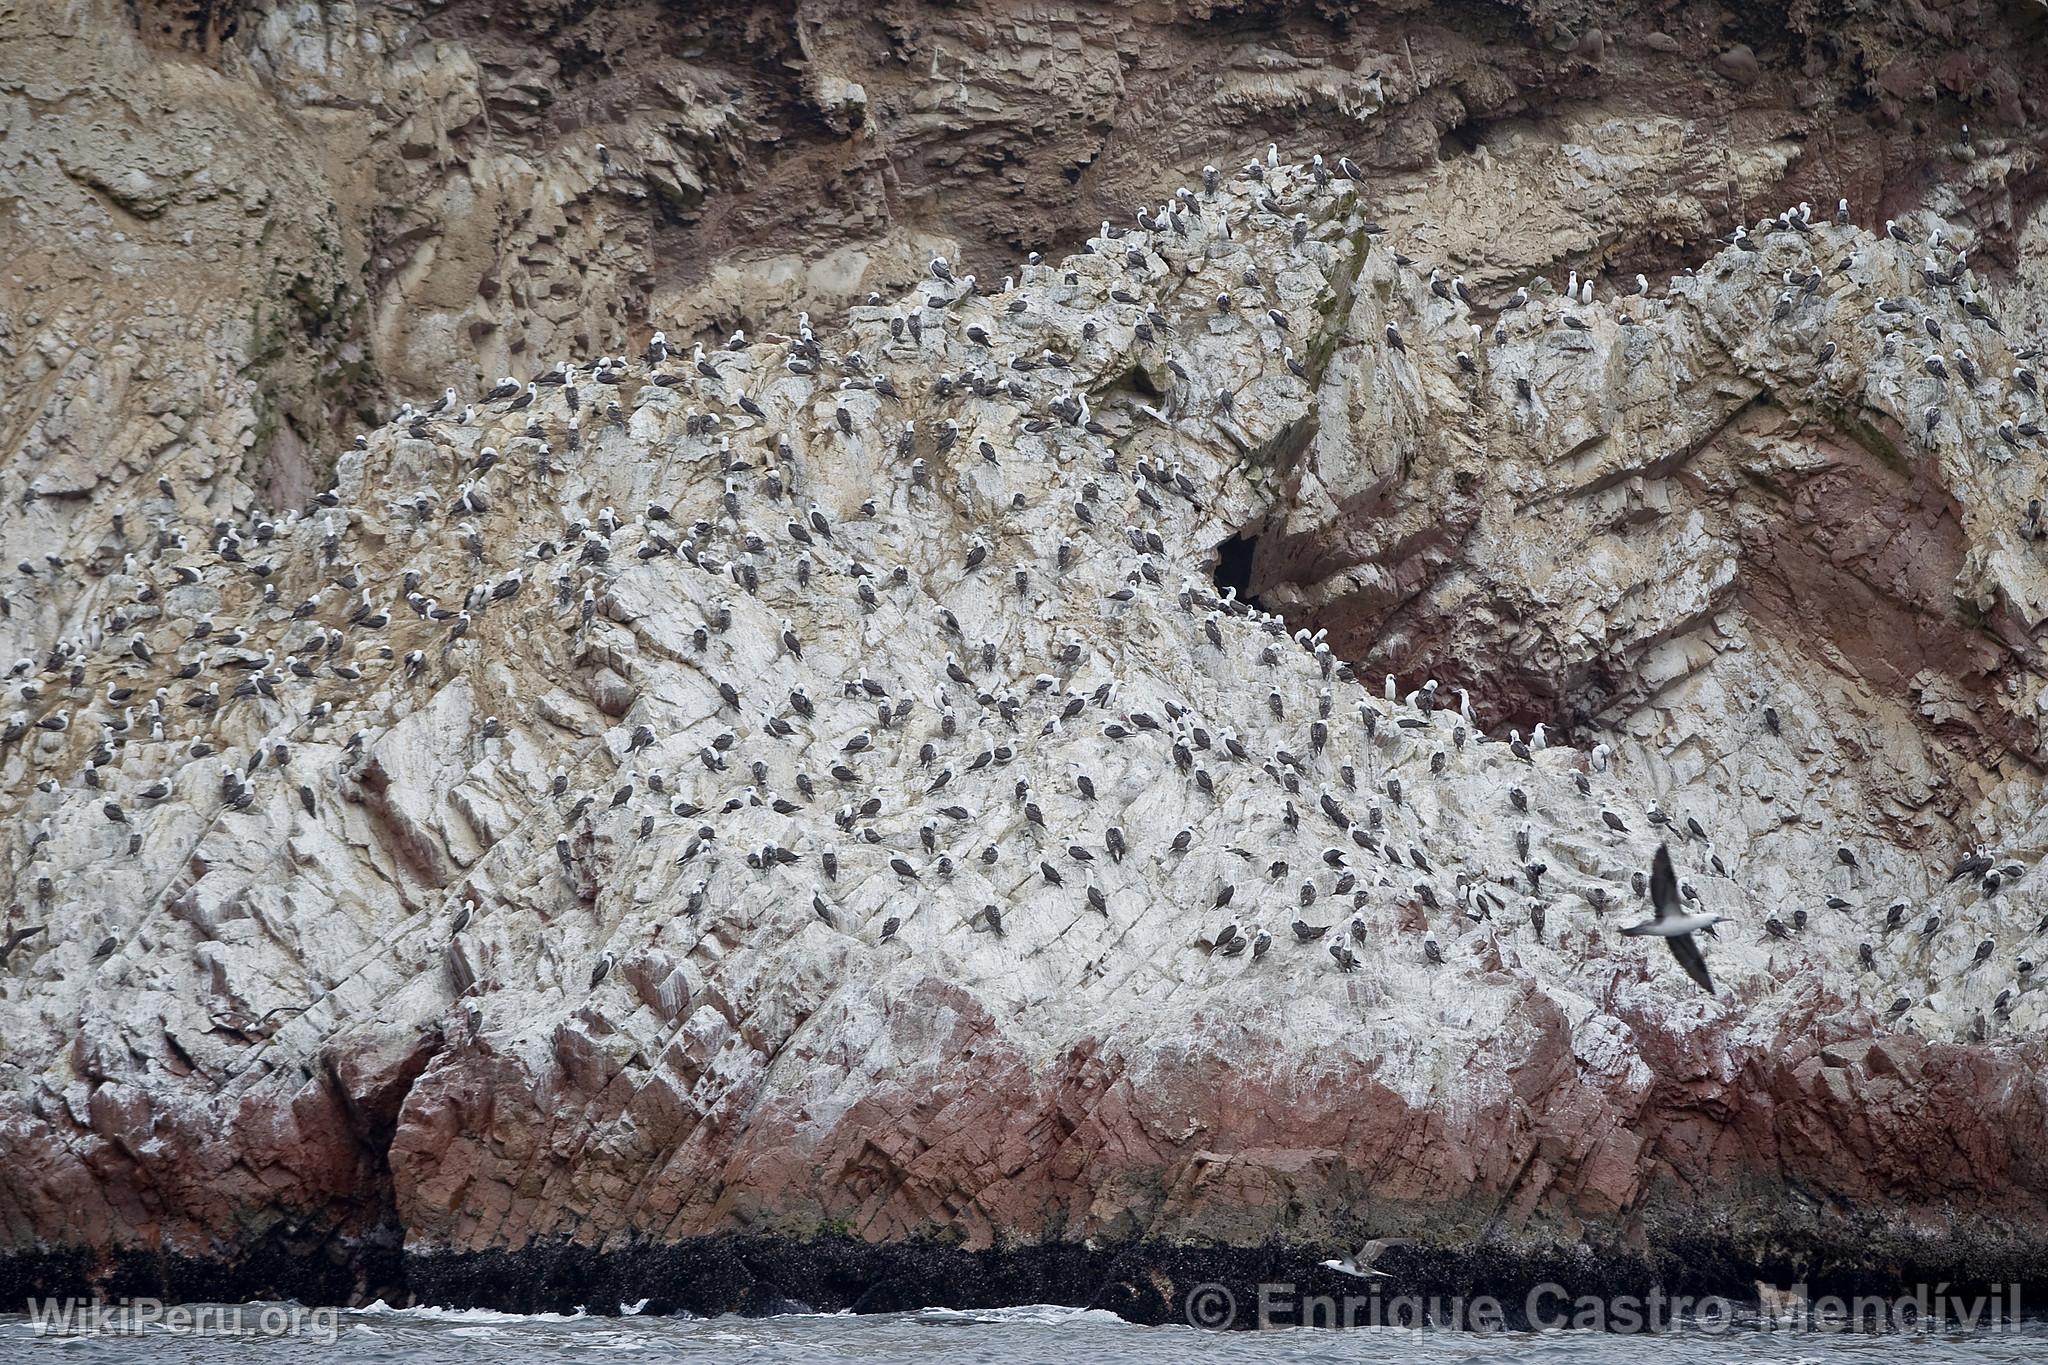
1673, 925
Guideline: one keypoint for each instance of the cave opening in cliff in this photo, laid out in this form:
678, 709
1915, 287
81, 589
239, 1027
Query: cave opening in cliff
1234, 565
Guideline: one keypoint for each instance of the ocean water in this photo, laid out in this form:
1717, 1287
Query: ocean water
260, 1334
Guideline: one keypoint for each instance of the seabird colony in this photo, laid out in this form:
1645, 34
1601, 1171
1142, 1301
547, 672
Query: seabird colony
917, 556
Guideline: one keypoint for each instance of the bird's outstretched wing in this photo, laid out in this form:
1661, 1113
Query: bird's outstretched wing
1370, 1253
1664, 890
1688, 954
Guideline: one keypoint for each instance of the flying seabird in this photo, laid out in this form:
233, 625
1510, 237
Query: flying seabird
1672, 924
1361, 1265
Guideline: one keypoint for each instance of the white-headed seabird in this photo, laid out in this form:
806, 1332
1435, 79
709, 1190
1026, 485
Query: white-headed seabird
1672, 924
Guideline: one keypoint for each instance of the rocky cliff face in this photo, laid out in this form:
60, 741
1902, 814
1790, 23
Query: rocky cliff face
902, 805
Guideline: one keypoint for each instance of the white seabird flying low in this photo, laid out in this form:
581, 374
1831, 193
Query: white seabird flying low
1361, 1266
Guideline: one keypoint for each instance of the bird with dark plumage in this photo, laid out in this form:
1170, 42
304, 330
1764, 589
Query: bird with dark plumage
1672, 924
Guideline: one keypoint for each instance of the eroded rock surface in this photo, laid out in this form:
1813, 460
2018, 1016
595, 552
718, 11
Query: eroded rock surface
804, 790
